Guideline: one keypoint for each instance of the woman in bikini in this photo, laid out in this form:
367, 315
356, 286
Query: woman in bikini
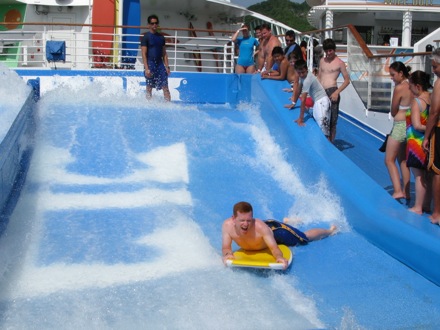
396, 144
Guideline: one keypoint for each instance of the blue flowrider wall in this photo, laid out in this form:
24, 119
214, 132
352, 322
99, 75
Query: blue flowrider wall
368, 207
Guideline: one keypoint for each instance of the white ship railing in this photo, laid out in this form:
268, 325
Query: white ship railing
27, 48
212, 52
368, 65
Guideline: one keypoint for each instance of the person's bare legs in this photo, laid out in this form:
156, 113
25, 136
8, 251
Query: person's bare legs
435, 217
239, 69
292, 221
428, 195
316, 234
149, 92
404, 170
392, 150
420, 184
333, 135
166, 93
251, 69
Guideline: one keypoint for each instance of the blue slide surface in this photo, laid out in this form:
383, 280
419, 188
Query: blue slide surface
118, 223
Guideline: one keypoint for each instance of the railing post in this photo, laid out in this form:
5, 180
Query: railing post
74, 59
175, 51
43, 46
226, 60
232, 60
370, 83
310, 53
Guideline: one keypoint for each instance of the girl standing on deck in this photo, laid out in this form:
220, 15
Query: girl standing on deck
396, 144
416, 118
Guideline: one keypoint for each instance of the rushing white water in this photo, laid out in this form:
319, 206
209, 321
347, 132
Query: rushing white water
119, 222
13, 92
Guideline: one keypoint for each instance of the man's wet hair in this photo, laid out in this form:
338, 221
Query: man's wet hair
242, 207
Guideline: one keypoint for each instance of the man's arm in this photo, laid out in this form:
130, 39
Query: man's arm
144, 59
295, 94
269, 239
296, 89
300, 120
260, 63
320, 66
343, 69
226, 243
278, 75
165, 59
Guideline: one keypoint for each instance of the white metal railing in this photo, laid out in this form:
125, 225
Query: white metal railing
88, 50
368, 65
94, 50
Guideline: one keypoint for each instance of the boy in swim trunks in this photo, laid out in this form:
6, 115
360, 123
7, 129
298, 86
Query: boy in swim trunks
330, 67
431, 142
311, 86
254, 234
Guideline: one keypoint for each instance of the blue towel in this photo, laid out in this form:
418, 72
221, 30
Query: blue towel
56, 51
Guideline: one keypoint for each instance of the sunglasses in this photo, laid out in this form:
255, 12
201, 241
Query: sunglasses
154, 23
289, 40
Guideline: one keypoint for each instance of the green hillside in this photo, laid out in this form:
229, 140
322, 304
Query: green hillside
285, 11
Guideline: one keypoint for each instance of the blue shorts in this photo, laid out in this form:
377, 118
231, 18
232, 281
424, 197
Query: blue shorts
285, 234
159, 76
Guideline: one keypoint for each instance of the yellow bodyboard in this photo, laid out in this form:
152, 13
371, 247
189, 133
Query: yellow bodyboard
260, 259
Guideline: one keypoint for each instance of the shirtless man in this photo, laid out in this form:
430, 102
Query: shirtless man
254, 234
330, 67
431, 143
268, 42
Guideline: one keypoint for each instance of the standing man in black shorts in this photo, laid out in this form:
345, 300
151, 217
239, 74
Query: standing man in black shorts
330, 67
155, 59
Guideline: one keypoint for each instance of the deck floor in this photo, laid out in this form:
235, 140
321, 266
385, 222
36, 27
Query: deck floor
362, 148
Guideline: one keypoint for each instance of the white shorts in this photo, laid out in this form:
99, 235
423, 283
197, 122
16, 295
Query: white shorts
321, 114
